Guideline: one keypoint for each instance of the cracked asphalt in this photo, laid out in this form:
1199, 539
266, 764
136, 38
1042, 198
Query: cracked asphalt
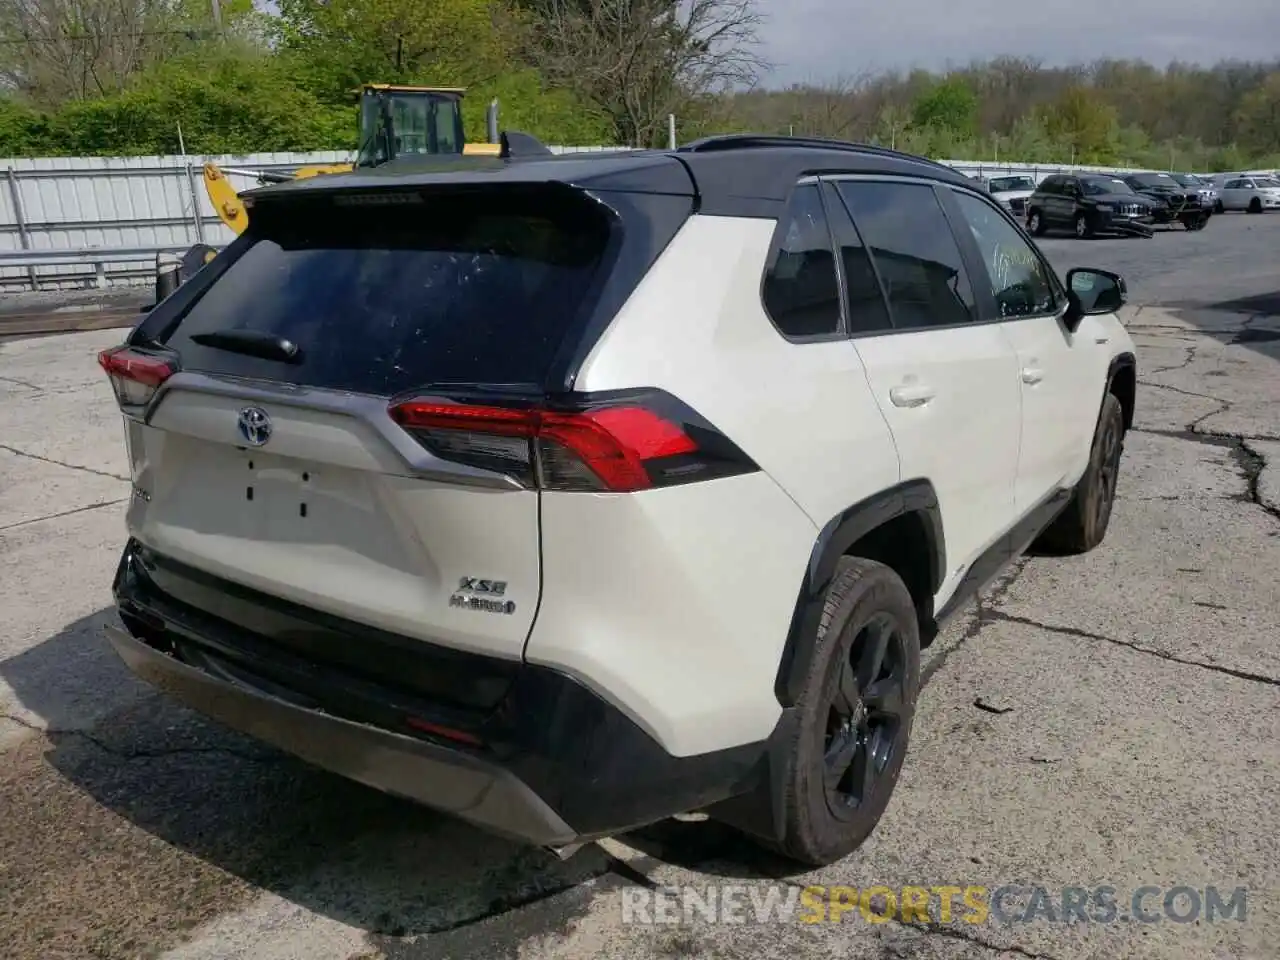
1128, 733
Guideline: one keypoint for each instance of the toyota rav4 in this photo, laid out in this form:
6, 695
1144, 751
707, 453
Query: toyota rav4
566, 494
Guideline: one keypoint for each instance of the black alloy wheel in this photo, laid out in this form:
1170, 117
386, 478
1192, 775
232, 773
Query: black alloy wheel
1083, 523
842, 745
865, 717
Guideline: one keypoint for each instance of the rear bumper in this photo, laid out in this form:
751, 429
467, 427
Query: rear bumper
517, 749
438, 776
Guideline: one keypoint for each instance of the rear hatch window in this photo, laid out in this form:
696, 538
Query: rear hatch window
385, 292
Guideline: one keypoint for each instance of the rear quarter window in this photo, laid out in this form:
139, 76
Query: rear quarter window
476, 286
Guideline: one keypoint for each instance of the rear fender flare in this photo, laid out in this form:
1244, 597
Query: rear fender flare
839, 534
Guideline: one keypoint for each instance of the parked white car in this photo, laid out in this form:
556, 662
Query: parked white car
1251, 193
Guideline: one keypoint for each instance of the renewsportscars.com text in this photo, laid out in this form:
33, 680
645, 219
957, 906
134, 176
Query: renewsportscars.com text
941, 903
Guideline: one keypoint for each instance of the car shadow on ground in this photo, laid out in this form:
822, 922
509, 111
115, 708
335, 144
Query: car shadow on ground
226, 804
1249, 321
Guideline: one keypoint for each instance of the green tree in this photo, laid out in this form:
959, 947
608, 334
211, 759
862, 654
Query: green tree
639, 61
1258, 117
1081, 121
233, 104
23, 132
950, 106
1029, 141
525, 103
336, 45
54, 51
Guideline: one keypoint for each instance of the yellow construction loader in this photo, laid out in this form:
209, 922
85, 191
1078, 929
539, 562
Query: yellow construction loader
395, 122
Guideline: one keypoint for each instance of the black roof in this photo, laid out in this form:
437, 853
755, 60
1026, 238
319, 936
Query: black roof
740, 175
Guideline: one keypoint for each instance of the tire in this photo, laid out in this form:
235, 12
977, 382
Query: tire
1218, 207
1082, 228
823, 822
1255, 205
1083, 524
1035, 223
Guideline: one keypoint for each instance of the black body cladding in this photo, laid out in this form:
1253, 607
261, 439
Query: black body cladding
836, 538
585, 759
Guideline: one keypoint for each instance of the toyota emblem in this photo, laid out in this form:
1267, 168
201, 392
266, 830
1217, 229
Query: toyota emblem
255, 426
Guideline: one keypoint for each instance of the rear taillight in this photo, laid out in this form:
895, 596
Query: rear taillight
620, 447
135, 377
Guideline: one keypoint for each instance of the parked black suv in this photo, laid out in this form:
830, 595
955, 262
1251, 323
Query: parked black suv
1171, 201
1088, 204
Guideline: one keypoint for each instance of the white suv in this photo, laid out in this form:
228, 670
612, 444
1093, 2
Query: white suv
567, 494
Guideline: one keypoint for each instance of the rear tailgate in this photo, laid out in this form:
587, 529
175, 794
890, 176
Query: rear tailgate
269, 458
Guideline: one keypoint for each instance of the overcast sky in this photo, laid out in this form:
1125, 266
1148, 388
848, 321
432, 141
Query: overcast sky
821, 39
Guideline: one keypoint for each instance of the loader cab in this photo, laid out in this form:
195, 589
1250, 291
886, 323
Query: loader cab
399, 121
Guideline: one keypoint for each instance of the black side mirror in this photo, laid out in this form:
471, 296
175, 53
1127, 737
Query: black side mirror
1092, 292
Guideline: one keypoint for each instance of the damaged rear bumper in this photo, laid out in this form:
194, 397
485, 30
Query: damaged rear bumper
517, 749
441, 777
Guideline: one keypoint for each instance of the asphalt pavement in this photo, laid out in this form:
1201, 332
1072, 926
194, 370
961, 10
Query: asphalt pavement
1107, 721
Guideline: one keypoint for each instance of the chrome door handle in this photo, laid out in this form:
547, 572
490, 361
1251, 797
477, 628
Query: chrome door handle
916, 395
1032, 375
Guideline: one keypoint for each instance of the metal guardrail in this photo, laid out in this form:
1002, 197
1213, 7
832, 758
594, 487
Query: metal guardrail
59, 222
95, 257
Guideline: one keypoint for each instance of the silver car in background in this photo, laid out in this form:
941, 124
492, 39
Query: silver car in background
1253, 193
1012, 192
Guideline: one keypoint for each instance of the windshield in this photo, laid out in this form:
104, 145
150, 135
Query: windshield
1098, 186
421, 122
1269, 182
1187, 180
1000, 184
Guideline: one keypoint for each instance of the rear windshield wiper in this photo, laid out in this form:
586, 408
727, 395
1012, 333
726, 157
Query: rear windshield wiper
253, 343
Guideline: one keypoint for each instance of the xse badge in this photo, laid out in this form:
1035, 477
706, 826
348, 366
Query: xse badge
484, 595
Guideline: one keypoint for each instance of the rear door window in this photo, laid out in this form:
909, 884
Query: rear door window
864, 299
800, 291
474, 287
914, 251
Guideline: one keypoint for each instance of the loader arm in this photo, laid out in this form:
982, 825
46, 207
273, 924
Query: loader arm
226, 202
